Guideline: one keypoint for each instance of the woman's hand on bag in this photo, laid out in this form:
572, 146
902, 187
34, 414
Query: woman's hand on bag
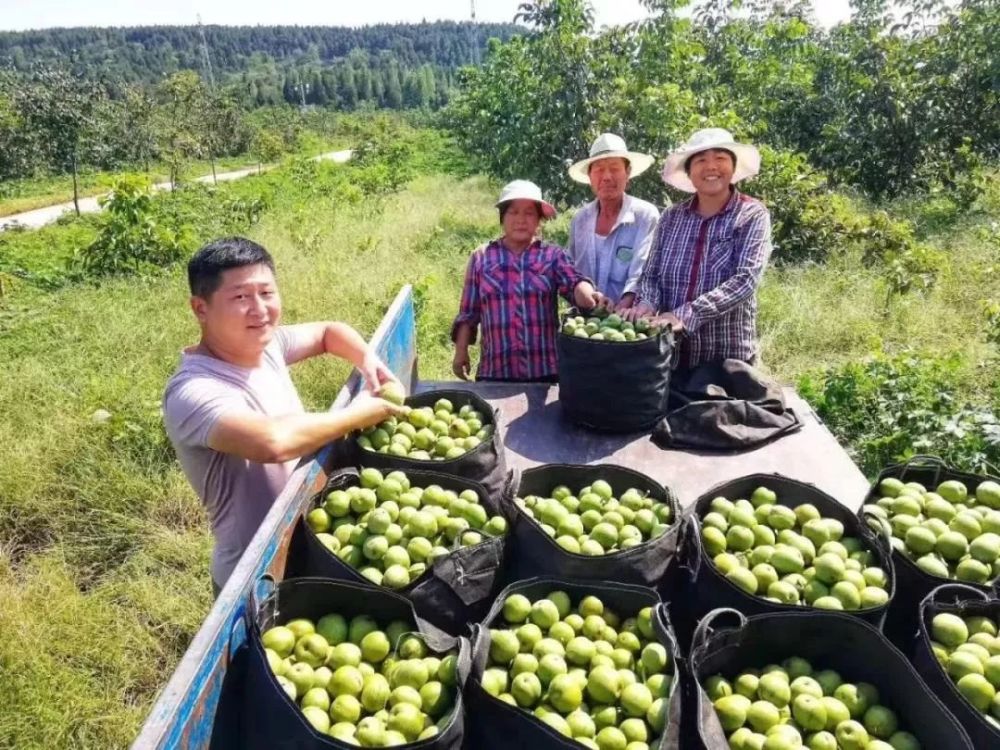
637, 311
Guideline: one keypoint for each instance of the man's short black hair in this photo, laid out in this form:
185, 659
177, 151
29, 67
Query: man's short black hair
687, 162
207, 265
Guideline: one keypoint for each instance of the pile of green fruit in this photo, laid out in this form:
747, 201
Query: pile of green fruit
594, 521
351, 685
584, 672
791, 555
950, 532
790, 706
969, 651
390, 530
427, 433
602, 326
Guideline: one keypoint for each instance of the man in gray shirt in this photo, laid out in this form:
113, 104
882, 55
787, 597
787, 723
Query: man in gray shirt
609, 238
231, 409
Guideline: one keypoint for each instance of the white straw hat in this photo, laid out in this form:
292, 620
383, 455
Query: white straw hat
525, 190
608, 146
747, 157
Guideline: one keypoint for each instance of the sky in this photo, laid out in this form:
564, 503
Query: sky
33, 14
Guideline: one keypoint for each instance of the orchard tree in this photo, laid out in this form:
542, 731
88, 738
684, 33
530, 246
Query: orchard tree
181, 120
57, 106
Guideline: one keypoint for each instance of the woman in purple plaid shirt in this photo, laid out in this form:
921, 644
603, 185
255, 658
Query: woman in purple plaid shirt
708, 253
511, 294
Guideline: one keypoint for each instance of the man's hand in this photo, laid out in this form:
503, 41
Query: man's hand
587, 298
375, 372
671, 320
641, 310
626, 302
460, 364
367, 410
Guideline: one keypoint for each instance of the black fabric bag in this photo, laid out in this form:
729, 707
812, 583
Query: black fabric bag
708, 589
964, 601
614, 386
495, 725
484, 464
455, 590
912, 584
271, 720
537, 554
829, 640
726, 405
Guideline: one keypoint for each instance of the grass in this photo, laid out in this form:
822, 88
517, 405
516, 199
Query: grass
104, 549
104, 560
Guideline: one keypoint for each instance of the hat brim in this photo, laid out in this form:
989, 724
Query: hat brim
548, 210
747, 164
638, 164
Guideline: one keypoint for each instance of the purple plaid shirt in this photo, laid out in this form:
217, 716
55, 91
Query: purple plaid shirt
706, 271
513, 298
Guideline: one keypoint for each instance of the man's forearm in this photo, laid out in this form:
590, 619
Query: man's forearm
280, 439
343, 341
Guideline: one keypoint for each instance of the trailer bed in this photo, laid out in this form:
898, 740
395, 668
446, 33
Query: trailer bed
535, 433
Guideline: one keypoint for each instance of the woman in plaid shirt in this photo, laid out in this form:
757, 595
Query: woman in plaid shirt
511, 293
708, 253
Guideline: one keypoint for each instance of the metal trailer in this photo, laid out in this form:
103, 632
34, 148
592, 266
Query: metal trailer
197, 695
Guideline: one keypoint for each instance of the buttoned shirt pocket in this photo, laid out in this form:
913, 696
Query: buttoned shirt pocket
720, 254
491, 283
538, 278
621, 262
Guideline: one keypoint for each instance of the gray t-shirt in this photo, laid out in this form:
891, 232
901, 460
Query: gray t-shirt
237, 493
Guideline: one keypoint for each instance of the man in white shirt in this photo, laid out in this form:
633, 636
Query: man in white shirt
231, 409
610, 237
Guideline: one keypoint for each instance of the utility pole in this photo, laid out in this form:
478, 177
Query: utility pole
207, 62
475, 35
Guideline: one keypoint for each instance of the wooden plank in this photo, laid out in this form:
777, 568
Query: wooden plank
184, 712
535, 433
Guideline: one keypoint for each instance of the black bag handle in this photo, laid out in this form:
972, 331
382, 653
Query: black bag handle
924, 461
265, 582
952, 593
705, 629
881, 536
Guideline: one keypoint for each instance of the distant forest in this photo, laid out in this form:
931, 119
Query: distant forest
389, 65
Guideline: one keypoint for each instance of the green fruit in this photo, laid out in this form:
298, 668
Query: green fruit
635, 699
544, 613
904, 741
565, 693
985, 548
949, 630
744, 579
774, 687
836, 712
821, 741
732, 711
988, 493
851, 735
279, 639
603, 684
963, 663
526, 689
977, 690
717, 687
953, 491
809, 712
973, 571
762, 715
516, 609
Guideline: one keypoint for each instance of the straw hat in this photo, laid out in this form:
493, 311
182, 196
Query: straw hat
747, 157
608, 146
525, 190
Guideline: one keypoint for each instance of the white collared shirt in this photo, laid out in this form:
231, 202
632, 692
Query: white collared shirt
624, 250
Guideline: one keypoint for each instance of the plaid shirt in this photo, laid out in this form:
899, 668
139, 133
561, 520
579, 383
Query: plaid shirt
706, 271
513, 298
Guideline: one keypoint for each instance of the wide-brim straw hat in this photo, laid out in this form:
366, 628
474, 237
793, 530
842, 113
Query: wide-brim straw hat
747, 157
610, 146
526, 190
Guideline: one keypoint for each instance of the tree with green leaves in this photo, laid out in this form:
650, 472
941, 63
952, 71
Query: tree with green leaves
181, 119
58, 107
